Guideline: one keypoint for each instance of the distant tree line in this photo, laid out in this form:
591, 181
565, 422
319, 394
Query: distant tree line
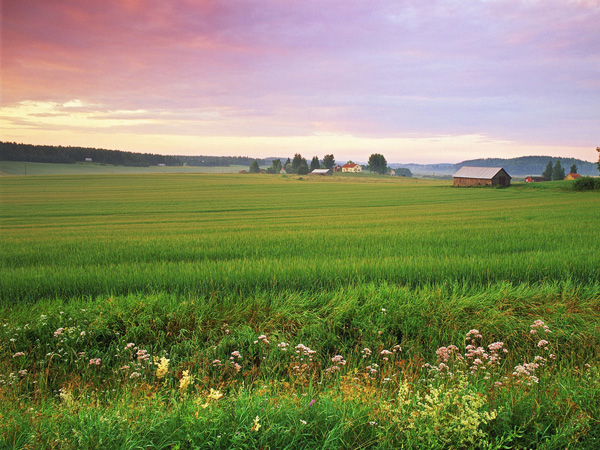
12, 151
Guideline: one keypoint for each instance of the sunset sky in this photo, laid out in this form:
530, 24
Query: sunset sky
418, 81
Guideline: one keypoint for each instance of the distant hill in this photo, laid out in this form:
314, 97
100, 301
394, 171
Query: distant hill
532, 165
520, 167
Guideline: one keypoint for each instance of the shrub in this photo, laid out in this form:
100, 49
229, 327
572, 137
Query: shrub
586, 184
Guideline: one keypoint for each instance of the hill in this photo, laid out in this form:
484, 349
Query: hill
521, 166
531, 165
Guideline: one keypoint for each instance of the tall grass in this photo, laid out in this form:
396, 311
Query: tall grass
200, 234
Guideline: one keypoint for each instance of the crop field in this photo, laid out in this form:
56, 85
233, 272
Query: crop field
258, 311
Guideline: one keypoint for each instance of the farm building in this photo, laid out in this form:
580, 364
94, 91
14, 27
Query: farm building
321, 172
351, 167
481, 176
532, 179
337, 168
572, 176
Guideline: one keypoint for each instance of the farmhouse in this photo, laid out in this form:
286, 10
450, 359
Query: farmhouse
533, 179
321, 172
337, 168
481, 176
351, 167
572, 176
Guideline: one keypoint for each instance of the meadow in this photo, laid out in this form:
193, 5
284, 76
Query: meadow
257, 311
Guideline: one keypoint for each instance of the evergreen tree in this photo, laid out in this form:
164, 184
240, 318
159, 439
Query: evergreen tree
254, 168
328, 161
558, 173
573, 169
314, 163
297, 162
276, 166
547, 173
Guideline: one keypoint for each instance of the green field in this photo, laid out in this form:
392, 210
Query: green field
19, 168
195, 267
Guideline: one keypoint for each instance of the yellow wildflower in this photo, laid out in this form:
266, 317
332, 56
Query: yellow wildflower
163, 367
185, 381
256, 426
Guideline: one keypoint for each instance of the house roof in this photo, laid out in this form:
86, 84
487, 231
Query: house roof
350, 165
574, 175
484, 173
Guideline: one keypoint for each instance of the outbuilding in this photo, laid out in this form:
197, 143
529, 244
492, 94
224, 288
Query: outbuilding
534, 179
321, 172
481, 176
572, 176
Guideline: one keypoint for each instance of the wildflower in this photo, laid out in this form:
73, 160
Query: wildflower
16, 355
235, 354
185, 381
256, 426
66, 397
303, 422
383, 310
542, 343
142, 355
59, 332
216, 363
163, 367
23, 372
366, 352
237, 367
215, 394
312, 402
82, 333
473, 334
385, 352
263, 338
95, 361
129, 345
283, 346
338, 359
135, 375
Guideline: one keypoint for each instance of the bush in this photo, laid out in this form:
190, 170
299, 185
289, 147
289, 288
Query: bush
586, 184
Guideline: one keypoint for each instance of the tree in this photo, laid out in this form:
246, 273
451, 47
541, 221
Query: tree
598, 150
297, 162
377, 163
573, 169
558, 173
276, 166
328, 161
547, 173
403, 172
303, 168
254, 168
314, 163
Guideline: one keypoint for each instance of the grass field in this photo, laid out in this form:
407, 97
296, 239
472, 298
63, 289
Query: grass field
297, 313
19, 168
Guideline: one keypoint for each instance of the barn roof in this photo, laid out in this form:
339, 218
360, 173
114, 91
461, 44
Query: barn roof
484, 173
318, 171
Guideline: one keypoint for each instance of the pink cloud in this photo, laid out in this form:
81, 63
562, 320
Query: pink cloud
510, 69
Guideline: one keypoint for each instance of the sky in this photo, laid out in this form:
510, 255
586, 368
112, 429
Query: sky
417, 81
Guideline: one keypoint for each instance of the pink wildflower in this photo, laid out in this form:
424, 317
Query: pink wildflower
18, 354
95, 361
